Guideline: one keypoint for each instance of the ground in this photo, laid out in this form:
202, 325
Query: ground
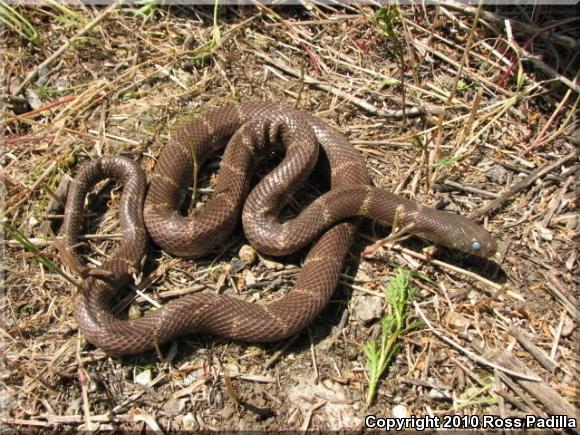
470, 111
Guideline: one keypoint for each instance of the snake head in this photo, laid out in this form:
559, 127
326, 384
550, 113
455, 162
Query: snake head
477, 241
456, 232
484, 247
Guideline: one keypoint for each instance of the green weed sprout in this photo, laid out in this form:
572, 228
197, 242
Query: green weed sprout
380, 353
16, 22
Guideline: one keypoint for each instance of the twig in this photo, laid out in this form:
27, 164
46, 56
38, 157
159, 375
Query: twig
448, 266
477, 78
65, 47
520, 26
538, 140
528, 181
548, 396
308, 418
511, 384
536, 352
435, 155
313, 354
470, 354
539, 63
470, 189
557, 336
84, 382
569, 305
309, 80
280, 351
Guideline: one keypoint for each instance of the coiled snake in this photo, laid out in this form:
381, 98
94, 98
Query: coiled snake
249, 131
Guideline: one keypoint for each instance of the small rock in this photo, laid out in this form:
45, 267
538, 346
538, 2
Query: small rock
436, 394
190, 42
473, 297
248, 254
148, 120
228, 411
362, 276
569, 327
457, 320
368, 308
236, 265
189, 379
174, 407
497, 174
14, 84
33, 99
32, 222
134, 312
188, 422
400, 411
249, 278
544, 232
143, 378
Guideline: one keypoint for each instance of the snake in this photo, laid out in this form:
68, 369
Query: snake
152, 209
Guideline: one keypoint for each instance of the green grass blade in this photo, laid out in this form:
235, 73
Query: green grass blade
29, 246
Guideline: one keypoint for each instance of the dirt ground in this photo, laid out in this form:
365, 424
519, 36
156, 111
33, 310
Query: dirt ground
470, 111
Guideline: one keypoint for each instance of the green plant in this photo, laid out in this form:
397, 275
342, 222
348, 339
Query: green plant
29, 246
461, 86
216, 36
204, 52
388, 18
380, 353
445, 162
68, 16
16, 22
147, 9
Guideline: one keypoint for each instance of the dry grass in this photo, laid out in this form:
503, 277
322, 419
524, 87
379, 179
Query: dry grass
446, 108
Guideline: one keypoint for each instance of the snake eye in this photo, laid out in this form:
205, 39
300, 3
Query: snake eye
475, 245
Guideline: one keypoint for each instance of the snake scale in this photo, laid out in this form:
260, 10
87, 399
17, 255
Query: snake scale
250, 131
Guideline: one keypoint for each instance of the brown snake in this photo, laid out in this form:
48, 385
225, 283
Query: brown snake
249, 130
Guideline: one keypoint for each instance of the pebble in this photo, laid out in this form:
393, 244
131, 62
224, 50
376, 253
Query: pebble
236, 265
174, 407
498, 174
33, 99
457, 320
400, 411
544, 232
228, 411
32, 222
368, 308
436, 394
249, 278
134, 312
247, 254
188, 422
143, 378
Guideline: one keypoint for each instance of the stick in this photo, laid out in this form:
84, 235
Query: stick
534, 350
470, 354
65, 47
528, 181
520, 26
544, 393
309, 80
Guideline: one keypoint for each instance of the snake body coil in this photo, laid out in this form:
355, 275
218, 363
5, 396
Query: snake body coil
249, 130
